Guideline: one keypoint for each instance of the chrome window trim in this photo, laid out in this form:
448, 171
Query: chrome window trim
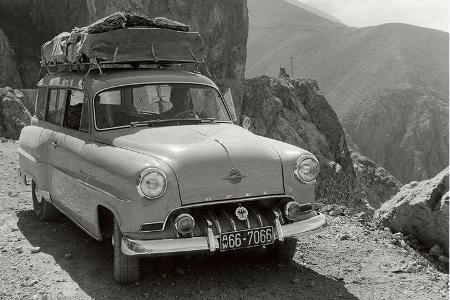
151, 83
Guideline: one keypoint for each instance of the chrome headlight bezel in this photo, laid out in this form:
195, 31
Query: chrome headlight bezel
141, 178
298, 175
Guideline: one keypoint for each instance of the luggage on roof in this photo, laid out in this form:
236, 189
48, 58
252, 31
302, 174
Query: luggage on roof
123, 38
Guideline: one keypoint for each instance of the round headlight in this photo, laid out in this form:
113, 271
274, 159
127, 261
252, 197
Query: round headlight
152, 183
306, 169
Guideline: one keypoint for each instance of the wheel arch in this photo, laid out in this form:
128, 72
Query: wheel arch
105, 221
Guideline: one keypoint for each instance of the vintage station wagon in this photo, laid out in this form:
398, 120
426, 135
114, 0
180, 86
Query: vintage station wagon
154, 159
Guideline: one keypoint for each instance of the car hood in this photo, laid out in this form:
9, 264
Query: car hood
211, 161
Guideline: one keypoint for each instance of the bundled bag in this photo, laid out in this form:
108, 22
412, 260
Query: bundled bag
124, 37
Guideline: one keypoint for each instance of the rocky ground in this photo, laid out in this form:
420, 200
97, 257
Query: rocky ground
346, 260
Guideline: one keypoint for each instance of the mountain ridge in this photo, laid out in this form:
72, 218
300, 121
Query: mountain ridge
353, 66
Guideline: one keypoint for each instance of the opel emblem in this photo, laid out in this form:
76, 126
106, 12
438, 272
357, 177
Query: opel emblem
241, 213
234, 175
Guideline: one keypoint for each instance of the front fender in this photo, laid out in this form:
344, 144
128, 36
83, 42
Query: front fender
111, 176
301, 192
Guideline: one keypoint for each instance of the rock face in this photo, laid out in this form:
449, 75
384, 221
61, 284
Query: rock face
294, 111
8, 72
377, 184
406, 131
420, 208
223, 25
13, 113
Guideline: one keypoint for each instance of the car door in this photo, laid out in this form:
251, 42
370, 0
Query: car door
61, 188
73, 163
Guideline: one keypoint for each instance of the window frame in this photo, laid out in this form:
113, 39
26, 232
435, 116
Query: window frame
49, 90
85, 106
92, 106
41, 90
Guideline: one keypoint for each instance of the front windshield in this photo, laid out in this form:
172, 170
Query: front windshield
128, 105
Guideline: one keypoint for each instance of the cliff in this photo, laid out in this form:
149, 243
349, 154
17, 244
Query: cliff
293, 111
405, 131
8, 72
223, 25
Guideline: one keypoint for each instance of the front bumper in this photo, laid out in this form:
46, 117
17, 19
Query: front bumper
211, 242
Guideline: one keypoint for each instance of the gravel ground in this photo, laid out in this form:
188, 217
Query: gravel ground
346, 260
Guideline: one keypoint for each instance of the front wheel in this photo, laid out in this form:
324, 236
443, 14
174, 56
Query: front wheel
43, 209
126, 268
283, 251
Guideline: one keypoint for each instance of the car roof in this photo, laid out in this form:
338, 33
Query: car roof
96, 81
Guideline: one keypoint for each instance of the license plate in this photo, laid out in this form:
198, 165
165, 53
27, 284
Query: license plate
246, 238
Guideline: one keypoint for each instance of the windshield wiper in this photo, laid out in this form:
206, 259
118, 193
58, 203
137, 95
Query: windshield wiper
173, 122
170, 122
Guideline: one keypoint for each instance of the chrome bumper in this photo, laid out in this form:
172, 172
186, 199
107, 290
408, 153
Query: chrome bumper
211, 242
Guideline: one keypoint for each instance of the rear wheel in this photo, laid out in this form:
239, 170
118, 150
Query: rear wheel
283, 251
44, 210
126, 268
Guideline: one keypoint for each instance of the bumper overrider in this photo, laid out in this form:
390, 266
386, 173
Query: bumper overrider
210, 243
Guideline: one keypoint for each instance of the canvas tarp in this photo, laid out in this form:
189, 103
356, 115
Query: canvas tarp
125, 38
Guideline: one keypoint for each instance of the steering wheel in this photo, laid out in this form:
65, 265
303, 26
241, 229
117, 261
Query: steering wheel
186, 114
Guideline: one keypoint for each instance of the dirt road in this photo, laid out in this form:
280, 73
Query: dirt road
344, 261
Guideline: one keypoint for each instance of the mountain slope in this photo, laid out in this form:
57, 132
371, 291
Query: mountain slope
314, 11
353, 66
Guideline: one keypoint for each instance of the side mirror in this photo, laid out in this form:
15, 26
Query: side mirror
230, 105
246, 122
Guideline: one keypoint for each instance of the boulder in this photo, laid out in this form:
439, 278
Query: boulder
420, 208
13, 113
376, 182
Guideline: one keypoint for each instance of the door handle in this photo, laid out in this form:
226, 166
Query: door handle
55, 144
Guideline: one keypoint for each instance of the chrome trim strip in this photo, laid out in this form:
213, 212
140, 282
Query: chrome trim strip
233, 224
258, 216
248, 223
209, 243
215, 220
101, 191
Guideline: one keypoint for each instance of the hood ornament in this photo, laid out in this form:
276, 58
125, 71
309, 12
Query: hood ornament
234, 175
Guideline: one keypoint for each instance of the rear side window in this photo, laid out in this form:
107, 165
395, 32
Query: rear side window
77, 111
56, 105
41, 98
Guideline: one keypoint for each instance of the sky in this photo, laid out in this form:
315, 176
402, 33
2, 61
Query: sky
361, 13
